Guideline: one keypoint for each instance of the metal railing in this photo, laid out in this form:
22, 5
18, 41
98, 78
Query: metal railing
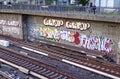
68, 9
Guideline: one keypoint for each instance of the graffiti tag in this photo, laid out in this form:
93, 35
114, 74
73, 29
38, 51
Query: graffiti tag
11, 23
102, 44
53, 22
77, 25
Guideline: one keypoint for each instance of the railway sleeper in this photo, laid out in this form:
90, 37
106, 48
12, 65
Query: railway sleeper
50, 73
102, 68
62, 56
98, 67
22, 63
81, 62
40, 68
71, 59
35, 68
43, 70
89, 64
63, 78
16, 61
11, 59
85, 63
5, 56
107, 70
94, 65
75, 60
59, 77
117, 72
32, 65
54, 75
19, 63
28, 66
112, 71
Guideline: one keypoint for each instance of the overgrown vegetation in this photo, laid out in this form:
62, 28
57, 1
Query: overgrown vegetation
82, 2
48, 2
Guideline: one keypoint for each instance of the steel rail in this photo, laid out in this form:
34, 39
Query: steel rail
31, 66
108, 70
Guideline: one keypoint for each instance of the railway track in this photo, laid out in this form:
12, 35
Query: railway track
91, 65
84, 53
30, 66
79, 55
4, 76
71, 50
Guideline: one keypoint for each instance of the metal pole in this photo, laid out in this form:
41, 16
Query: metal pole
118, 54
94, 2
99, 5
106, 3
94, 7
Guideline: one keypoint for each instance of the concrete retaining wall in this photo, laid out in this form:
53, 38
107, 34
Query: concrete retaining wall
72, 15
101, 36
11, 25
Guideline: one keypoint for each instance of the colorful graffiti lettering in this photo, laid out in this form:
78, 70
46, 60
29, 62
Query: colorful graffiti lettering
91, 42
52, 22
53, 33
96, 43
77, 25
49, 32
68, 24
70, 36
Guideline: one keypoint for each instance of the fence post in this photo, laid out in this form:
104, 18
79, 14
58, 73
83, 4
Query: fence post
118, 54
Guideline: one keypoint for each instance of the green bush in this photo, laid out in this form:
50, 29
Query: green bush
83, 2
48, 2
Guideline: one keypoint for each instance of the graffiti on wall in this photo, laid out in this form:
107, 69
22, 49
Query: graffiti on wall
52, 22
102, 44
53, 33
70, 36
77, 25
11, 30
49, 32
33, 31
68, 24
91, 42
9, 23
